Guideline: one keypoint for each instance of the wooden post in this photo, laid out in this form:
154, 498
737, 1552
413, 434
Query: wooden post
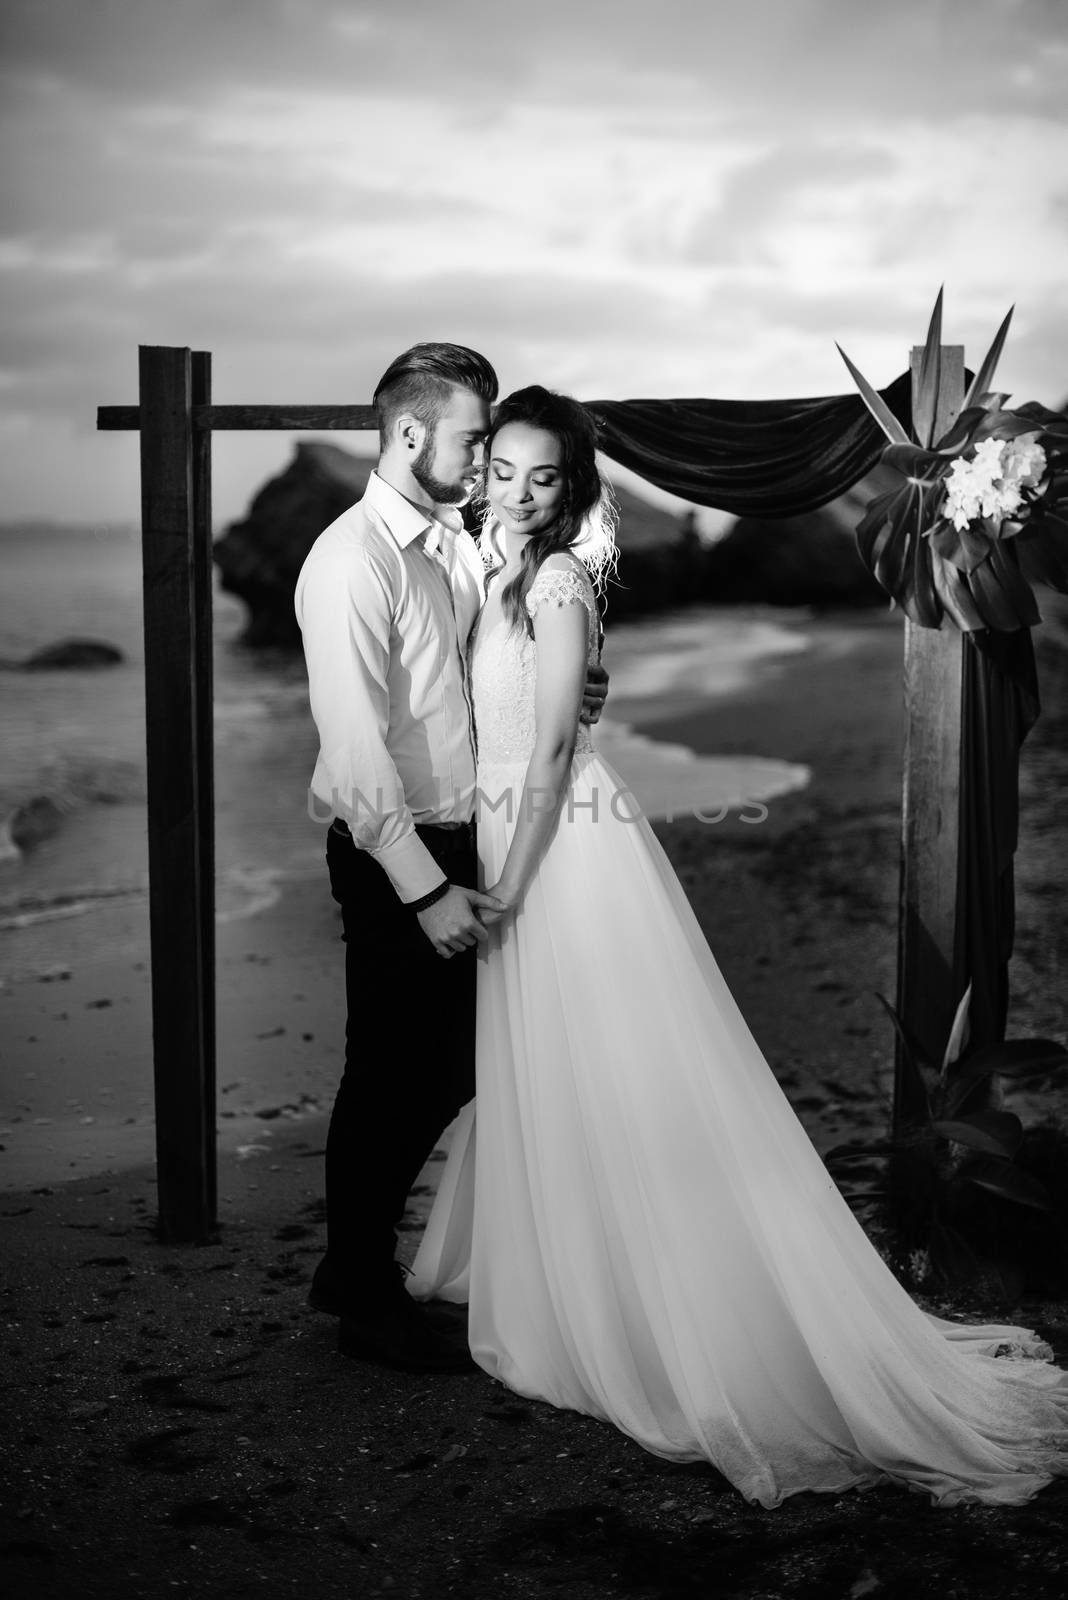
204, 681
930, 808
180, 892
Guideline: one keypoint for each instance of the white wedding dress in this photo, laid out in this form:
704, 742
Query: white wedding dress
641, 1227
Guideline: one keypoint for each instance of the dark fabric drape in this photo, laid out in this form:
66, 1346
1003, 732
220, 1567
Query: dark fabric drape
999, 705
776, 458
771, 458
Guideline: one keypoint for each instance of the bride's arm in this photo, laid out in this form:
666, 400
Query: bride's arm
561, 639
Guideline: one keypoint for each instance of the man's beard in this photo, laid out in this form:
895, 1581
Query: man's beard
442, 493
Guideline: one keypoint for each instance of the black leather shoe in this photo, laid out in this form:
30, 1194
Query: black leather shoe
402, 1336
325, 1296
329, 1294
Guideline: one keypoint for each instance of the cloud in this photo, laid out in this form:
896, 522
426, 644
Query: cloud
614, 198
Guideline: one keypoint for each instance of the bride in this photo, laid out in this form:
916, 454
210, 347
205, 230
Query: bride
639, 1224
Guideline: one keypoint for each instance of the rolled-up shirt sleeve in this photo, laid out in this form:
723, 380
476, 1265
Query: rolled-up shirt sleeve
345, 611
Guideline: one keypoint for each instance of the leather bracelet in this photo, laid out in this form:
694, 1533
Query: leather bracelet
429, 899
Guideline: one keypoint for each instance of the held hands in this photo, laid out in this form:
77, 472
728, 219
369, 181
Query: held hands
594, 694
452, 923
505, 903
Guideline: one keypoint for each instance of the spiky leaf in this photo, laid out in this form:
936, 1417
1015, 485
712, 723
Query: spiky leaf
929, 379
984, 377
876, 404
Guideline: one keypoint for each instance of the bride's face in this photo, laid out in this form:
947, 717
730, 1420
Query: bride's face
525, 481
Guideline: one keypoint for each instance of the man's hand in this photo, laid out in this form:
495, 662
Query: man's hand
451, 924
506, 902
594, 694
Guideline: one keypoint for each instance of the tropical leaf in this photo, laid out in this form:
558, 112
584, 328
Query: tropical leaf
1042, 549
971, 427
1013, 1058
914, 1104
951, 587
1002, 1178
914, 461
964, 548
1018, 1058
980, 384
1001, 592
912, 1046
876, 404
929, 379
997, 1133
922, 602
1041, 417
890, 542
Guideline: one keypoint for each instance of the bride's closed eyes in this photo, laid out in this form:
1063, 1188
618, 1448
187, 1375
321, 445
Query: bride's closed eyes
505, 472
525, 483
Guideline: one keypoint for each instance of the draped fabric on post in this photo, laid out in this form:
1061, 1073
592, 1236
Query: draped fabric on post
776, 458
772, 458
999, 706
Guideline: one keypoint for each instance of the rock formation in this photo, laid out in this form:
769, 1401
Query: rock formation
259, 558
807, 560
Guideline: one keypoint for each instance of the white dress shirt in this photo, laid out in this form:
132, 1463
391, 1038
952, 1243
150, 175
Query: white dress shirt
385, 601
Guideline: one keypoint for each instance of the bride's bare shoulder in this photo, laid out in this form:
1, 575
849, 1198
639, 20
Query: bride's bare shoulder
562, 561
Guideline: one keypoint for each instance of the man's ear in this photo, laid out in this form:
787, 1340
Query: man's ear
410, 433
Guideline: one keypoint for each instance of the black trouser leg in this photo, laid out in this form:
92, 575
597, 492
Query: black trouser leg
409, 1056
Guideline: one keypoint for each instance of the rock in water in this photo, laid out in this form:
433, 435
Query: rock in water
260, 557
73, 653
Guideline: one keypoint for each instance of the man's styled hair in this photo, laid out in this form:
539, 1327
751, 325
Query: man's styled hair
421, 381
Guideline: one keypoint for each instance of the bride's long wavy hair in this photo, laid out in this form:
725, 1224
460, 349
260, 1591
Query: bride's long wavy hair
586, 521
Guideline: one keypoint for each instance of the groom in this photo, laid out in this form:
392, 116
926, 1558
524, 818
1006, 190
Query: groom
386, 600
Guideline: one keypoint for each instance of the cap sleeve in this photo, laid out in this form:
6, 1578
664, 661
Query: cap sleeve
560, 586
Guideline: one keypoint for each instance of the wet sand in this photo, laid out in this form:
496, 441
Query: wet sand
180, 1420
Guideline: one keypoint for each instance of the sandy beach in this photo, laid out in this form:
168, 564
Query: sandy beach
181, 1421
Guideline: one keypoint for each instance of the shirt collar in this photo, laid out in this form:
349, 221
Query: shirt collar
405, 521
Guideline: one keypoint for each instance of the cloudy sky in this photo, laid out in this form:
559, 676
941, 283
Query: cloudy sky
615, 198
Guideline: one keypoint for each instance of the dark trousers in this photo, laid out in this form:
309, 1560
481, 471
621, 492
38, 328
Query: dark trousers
409, 1055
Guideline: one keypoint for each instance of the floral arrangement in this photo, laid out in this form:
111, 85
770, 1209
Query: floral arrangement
980, 513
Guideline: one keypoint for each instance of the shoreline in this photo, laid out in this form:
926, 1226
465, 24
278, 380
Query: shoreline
650, 687
829, 847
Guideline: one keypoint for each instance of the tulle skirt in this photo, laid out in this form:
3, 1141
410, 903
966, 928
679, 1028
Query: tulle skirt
644, 1233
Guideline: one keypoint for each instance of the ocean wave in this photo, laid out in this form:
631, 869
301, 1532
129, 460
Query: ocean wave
36, 809
240, 892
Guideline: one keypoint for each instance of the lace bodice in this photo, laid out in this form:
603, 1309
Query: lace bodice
503, 663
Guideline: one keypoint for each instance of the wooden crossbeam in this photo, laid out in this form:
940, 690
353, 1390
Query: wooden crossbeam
215, 419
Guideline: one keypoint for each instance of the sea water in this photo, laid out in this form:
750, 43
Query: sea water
75, 738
